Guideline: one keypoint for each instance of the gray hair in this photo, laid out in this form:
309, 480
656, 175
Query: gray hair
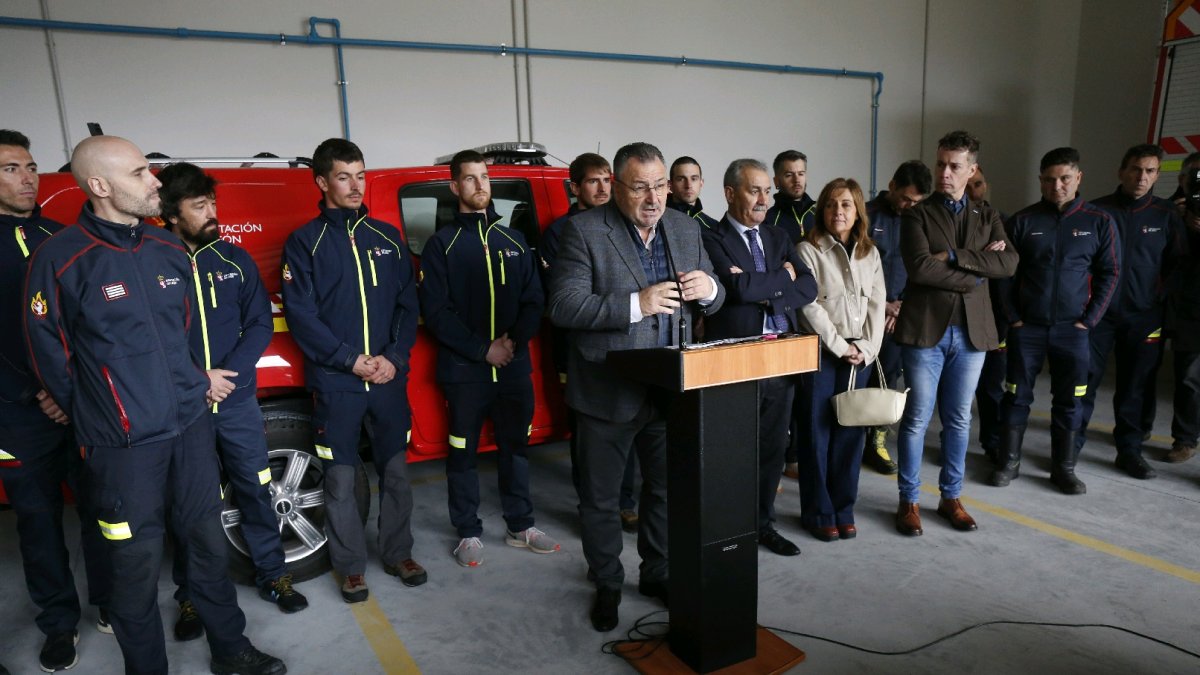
643, 153
733, 175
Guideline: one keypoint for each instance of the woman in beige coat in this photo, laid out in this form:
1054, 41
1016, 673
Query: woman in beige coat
848, 315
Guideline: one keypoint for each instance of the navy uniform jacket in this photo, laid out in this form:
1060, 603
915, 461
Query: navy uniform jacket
695, 211
1147, 229
749, 294
107, 312
348, 290
231, 315
19, 238
885, 232
1070, 264
479, 280
795, 216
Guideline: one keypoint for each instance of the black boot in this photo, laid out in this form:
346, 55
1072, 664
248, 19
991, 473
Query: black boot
1062, 462
1008, 456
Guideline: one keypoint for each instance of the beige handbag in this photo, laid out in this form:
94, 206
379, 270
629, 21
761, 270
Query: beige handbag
869, 406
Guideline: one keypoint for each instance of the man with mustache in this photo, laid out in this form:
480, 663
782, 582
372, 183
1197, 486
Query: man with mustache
766, 282
230, 328
612, 288
482, 301
350, 298
107, 319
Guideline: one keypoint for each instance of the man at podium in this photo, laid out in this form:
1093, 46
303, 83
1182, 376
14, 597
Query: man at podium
766, 282
628, 275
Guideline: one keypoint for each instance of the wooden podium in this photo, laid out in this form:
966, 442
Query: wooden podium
712, 487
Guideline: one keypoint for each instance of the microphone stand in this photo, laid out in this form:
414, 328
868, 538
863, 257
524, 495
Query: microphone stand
684, 336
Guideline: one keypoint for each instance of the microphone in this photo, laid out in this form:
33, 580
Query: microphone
684, 337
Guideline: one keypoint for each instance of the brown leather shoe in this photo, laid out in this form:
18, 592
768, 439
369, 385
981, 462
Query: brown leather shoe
847, 531
824, 533
908, 519
791, 470
953, 511
1180, 452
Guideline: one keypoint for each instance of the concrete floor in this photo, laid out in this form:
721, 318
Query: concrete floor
1126, 554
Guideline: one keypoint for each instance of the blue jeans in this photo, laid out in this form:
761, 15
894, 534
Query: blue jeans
945, 374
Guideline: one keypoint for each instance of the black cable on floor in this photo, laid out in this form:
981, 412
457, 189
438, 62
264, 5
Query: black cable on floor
999, 622
638, 634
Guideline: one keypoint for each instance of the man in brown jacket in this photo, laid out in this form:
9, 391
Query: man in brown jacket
951, 246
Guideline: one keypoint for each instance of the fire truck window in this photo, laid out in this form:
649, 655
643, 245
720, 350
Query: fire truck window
425, 208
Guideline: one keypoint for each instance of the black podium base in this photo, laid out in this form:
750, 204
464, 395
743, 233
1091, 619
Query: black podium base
653, 657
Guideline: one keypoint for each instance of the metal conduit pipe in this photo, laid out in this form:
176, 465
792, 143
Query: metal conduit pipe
312, 38
341, 68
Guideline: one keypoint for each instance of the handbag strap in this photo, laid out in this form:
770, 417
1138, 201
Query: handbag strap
879, 369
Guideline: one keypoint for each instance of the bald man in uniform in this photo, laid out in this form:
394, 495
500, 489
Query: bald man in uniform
107, 302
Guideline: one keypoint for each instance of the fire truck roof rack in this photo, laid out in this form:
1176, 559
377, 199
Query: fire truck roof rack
512, 152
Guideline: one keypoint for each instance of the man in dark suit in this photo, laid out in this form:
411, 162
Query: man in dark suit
951, 246
611, 287
766, 282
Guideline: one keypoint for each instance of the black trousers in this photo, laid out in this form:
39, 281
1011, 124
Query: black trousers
36, 457
603, 451
136, 490
1137, 350
1185, 425
775, 397
509, 404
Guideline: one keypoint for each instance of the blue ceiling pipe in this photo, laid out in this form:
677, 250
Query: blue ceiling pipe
312, 38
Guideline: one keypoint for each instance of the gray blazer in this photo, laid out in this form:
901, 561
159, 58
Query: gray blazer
596, 271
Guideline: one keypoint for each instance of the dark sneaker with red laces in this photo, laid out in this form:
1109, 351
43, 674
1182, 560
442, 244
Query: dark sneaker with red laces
281, 593
249, 661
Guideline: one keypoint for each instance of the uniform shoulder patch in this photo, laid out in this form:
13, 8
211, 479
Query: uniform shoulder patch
287, 272
38, 305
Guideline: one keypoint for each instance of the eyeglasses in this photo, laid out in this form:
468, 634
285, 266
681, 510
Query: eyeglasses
641, 189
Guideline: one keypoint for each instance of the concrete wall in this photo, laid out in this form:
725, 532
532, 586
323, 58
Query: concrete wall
1023, 75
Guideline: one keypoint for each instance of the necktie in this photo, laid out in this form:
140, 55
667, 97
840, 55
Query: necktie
775, 321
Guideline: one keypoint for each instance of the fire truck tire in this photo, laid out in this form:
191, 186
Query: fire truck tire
298, 497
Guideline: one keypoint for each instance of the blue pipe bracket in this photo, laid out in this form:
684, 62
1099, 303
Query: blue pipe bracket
338, 41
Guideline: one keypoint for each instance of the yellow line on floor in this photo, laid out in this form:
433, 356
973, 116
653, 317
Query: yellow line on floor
381, 635
1128, 555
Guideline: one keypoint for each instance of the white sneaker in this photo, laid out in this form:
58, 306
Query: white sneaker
469, 552
533, 539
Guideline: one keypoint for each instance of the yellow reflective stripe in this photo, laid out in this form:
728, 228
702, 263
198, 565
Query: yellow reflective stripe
212, 291
280, 324
491, 290
1080, 390
371, 262
458, 442
324, 452
115, 531
221, 491
203, 316
1010, 387
6, 457
529, 431
1155, 335
408, 437
1003, 344
264, 476
20, 235
500, 258
562, 378
362, 295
